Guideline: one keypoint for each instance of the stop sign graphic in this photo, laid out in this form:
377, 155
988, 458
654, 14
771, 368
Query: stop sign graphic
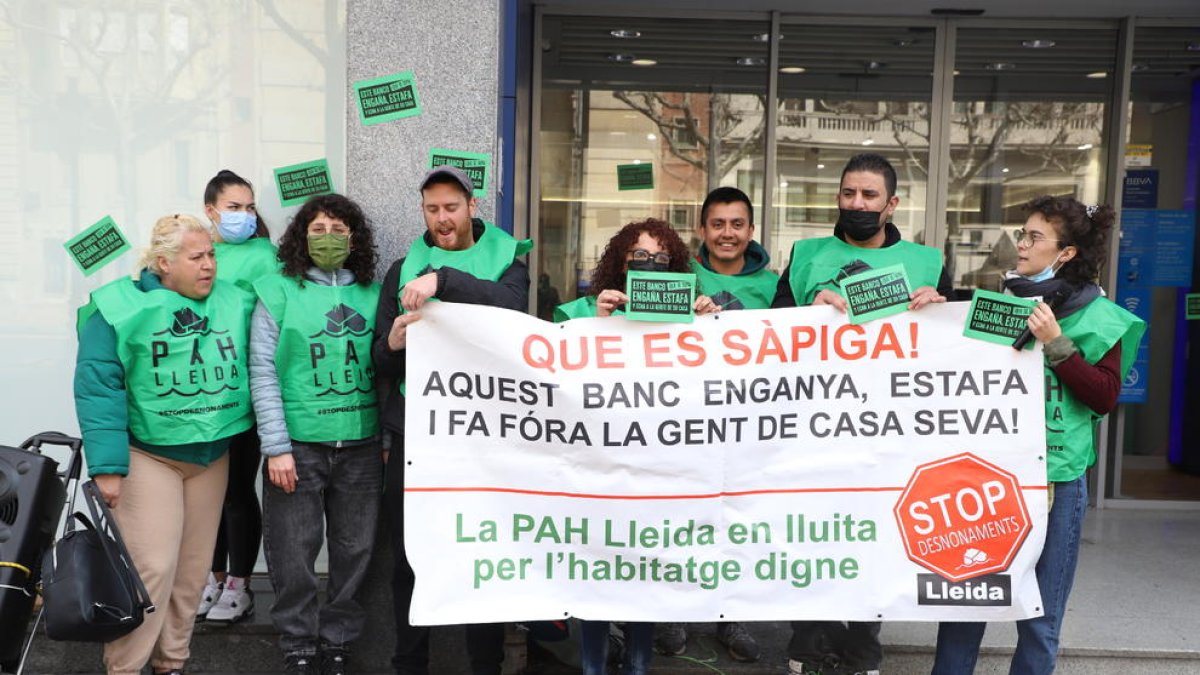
962, 517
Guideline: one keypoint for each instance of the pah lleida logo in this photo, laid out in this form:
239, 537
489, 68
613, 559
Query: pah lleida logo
343, 320
187, 322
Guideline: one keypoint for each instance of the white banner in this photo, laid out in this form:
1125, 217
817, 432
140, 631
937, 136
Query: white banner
752, 465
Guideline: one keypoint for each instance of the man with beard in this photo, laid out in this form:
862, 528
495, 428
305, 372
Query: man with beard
459, 258
863, 239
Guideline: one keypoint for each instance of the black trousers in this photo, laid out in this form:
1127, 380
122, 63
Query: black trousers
240, 534
854, 644
485, 641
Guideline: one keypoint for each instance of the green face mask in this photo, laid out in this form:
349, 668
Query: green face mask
329, 251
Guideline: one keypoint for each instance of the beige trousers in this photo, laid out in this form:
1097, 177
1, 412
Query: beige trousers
168, 513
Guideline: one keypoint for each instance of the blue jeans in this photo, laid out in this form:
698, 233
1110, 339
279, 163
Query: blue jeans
593, 647
1037, 639
336, 486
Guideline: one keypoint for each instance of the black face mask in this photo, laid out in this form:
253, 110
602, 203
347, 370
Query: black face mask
648, 266
859, 225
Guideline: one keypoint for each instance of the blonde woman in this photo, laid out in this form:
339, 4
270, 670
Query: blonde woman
161, 385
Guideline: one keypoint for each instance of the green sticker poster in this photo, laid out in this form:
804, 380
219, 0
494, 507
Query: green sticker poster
660, 296
1193, 306
387, 98
875, 294
97, 246
474, 164
635, 176
298, 182
999, 318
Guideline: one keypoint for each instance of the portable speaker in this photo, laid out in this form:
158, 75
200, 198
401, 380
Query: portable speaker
31, 501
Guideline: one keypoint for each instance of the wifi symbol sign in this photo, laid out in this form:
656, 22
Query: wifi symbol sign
1132, 302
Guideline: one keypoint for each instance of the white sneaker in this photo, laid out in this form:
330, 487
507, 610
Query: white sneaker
236, 602
208, 598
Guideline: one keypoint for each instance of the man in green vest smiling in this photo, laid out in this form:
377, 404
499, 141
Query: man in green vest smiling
731, 267
460, 258
864, 238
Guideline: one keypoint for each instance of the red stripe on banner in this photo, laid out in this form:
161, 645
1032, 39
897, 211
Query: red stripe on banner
713, 495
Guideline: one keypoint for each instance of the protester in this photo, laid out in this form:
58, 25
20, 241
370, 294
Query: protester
459, 258
650, 246
160, 391
244, 253
731, 268
314, 396
1089, 344
864, 238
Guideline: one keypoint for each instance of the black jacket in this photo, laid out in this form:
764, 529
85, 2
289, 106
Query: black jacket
511, 291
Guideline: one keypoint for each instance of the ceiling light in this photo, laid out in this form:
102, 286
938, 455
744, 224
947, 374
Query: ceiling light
1139, 68
1037, 44
1085, 146
875, 65
1193, 46
820, 166
625, 33
1004, 170
764, 37
904, 43
956, 71
793, 70
783, 183
1001, 65
869, 141
1098, 75
751, 61
637, 161
621, 58
651, 137
644, 62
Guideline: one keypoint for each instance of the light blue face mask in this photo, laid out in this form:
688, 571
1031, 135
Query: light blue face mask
237, 226
1045, 274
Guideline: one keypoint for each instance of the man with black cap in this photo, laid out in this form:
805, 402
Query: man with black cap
863, 239
459, 258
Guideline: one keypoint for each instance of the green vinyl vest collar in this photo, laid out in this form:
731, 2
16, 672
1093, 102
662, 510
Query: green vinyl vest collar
1070, 425
323, 359
493, 252
818, 264
742, 291
242, 263
186, 378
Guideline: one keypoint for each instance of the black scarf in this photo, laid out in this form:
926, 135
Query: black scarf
1072, 296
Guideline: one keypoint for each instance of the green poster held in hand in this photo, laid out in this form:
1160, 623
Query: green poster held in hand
474, 164
97, 246
875, 294
1193, 307
298, 182
660, 296
635, 176
999, 318
387, 98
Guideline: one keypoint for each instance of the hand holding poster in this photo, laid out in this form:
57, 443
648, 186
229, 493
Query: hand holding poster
754, 465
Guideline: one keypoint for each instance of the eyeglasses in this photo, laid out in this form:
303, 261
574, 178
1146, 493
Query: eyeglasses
1032, 238
642, 255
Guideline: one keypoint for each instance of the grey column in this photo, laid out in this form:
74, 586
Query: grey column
452, 48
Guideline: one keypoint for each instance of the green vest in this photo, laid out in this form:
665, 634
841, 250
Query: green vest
579, 308
488, 258
185, 360
1070, 425
817, 264
243, 263
323, 359
752, 291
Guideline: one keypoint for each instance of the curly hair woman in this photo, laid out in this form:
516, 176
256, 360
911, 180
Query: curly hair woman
1089, 345
313, 390
647, 245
